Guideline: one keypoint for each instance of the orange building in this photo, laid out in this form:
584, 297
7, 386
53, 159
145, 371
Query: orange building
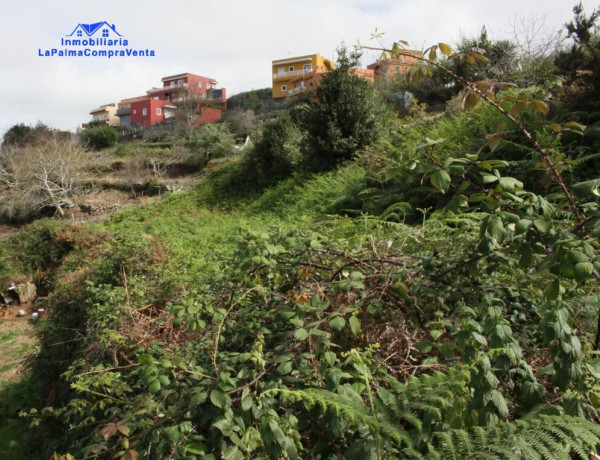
389, 69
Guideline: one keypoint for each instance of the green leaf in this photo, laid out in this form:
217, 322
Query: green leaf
583, 270
154, 387
251, 439
233, 453
553, 290
225, 425
500, 403
145, 359
300, 334
220, 399
441, 180
510, 183
543, 225
495, 228
195, 447
337, 323
285, 368
489, 178
587, 188
354, 325
436, 333
424, 346
479, 338
522, 226
393, 172
576, 256
247, 403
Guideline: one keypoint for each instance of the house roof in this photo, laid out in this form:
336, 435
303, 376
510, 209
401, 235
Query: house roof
91, 29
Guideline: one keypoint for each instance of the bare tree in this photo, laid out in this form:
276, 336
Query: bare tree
533, 38
46, 174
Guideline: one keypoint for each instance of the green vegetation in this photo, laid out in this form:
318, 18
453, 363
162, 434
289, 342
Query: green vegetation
99, 137
436, 298
347, 115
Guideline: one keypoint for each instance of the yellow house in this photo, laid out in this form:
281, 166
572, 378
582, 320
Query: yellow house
288, 69
106, 114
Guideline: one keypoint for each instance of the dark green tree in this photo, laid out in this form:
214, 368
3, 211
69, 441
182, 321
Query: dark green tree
21, 134
347, 115
581, 62
277, 153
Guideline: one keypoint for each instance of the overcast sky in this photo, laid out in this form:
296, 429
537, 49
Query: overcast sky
232, 41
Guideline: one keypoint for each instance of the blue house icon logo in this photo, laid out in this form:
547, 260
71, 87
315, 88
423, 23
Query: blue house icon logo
103, 29
99, 39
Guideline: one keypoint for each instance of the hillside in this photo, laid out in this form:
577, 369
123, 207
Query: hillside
421, 287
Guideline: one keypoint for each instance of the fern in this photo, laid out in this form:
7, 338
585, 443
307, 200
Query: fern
587, 159
549, 437
413, 418
351, 408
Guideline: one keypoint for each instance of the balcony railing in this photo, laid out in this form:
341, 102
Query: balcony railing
296, 90
123, 111
168, 88
293, 73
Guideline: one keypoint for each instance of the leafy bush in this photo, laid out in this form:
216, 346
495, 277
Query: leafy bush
100, 137
22, 134
277, 153
347, 115
213, 140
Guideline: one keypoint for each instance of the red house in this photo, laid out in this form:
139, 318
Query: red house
185, 96
148, 111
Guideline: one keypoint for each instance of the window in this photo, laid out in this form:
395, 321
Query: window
283, 87
291, 68
155, 98
158, 111
281, 71
105, 32
144, 111
134, 111
199, 84
79, 33
307, 67
180, 82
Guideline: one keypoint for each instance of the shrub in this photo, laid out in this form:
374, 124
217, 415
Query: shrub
100, 137
347, 115
22, 134
213, 140
277, 154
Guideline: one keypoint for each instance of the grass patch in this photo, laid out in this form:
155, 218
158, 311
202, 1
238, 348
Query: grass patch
9, 335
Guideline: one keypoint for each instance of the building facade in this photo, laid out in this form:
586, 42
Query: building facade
389, 69
186, 87
147, 112
106, 114
290, 73
186, 97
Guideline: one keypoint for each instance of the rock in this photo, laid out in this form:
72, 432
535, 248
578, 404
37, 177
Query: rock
21, 313
27, 292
